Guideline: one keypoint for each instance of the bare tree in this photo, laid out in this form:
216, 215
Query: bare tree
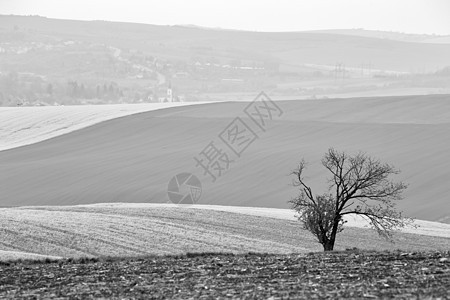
359, 185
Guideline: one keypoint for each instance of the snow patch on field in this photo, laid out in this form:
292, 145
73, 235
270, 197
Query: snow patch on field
20, 126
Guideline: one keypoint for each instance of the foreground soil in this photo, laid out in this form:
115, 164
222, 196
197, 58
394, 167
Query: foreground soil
316, 275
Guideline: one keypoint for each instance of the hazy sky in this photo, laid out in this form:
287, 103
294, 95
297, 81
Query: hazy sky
411, 16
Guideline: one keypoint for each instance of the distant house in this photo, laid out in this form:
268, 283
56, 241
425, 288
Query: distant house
181, 75
233, 80
169, 95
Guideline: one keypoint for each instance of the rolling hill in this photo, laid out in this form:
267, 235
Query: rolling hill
388, 35
289, 48
132, 159
28, 125
47, 61
138, 230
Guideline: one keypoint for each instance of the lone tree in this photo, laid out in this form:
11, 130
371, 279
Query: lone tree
359, 185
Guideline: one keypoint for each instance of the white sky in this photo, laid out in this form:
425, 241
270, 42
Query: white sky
410, 16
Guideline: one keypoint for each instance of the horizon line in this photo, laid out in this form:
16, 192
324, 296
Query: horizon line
218, 28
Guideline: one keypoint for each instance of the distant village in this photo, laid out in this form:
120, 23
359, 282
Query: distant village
71, 73
46, 70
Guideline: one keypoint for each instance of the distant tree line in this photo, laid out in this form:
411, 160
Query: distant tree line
19, 88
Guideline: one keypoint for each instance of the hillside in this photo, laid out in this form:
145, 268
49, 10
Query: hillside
28, 125
389, 35
132, 159
49, 61
290, 48
130, 230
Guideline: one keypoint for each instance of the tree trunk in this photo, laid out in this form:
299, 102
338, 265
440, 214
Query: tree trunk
328, 245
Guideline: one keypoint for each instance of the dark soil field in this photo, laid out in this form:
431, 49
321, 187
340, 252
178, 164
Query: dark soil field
348, 274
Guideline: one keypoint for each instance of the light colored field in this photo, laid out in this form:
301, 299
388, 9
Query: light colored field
418, 227
15, 255
130, 230
21, 126
132, 159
